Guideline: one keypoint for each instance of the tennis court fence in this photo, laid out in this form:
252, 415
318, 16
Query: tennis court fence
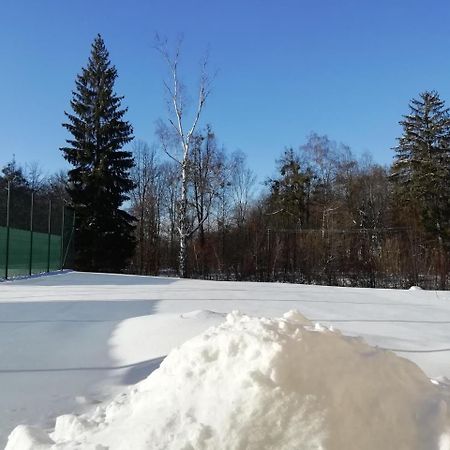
36, 232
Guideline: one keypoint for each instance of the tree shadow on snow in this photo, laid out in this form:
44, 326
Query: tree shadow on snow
56, 352
69, 335
94, 279
75, 311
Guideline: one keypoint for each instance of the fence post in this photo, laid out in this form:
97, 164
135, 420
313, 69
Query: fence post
8, 218
62, 235
49, 229
71, 237
30, 268
268, 254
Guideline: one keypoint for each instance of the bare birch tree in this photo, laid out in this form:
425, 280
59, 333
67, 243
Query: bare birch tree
183, 135
242, 183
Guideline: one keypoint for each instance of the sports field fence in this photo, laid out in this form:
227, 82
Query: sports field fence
36, 232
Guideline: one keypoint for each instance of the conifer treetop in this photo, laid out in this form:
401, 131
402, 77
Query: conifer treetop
100, 179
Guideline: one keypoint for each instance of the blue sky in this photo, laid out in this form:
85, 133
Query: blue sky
286, 68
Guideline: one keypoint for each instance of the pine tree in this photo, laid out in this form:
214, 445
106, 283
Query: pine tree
100, 180
288, 193
421, 170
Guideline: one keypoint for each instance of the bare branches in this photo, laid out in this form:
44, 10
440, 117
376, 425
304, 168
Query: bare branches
176, 93
204, 91
35, 176
167, 141
176, 90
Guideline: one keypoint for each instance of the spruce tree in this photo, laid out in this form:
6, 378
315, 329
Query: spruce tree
100, 180
421, 170
288, 193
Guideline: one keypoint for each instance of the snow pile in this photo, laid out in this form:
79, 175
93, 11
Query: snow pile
257, 383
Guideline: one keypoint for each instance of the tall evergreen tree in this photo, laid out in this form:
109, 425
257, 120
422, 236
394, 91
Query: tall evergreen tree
288, 193
421, 170
100, 180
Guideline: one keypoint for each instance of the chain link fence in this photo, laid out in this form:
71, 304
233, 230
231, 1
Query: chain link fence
36, 233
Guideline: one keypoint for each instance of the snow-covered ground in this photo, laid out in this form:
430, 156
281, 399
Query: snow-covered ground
71, 341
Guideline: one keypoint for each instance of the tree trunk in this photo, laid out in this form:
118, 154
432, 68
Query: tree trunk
183, 216
442, 269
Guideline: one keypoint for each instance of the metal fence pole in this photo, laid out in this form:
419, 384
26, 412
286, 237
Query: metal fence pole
71, 238
268, 254
62, 236
30, 268
8, 218
49, 229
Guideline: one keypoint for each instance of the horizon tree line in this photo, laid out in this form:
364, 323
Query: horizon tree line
186, 205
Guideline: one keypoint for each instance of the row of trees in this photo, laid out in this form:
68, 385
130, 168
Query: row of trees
185, 205
219, 192
32, 178
327, 217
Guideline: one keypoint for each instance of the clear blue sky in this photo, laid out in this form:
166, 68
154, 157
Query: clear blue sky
344, 68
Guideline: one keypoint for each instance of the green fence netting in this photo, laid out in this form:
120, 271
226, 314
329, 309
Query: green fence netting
37, 254
36, 233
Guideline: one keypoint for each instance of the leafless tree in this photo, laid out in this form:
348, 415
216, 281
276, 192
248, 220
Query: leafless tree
182, 134
321, 156
170, 193
146, 205
242, 184
57, 185
35, 176
207, 166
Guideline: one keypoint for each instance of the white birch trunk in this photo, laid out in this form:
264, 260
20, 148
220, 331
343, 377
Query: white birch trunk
183, 216
185, 137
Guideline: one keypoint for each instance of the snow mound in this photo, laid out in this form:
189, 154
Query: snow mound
257, 383
29, 438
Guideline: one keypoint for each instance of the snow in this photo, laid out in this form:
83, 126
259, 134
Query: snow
256, 383
73, 341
